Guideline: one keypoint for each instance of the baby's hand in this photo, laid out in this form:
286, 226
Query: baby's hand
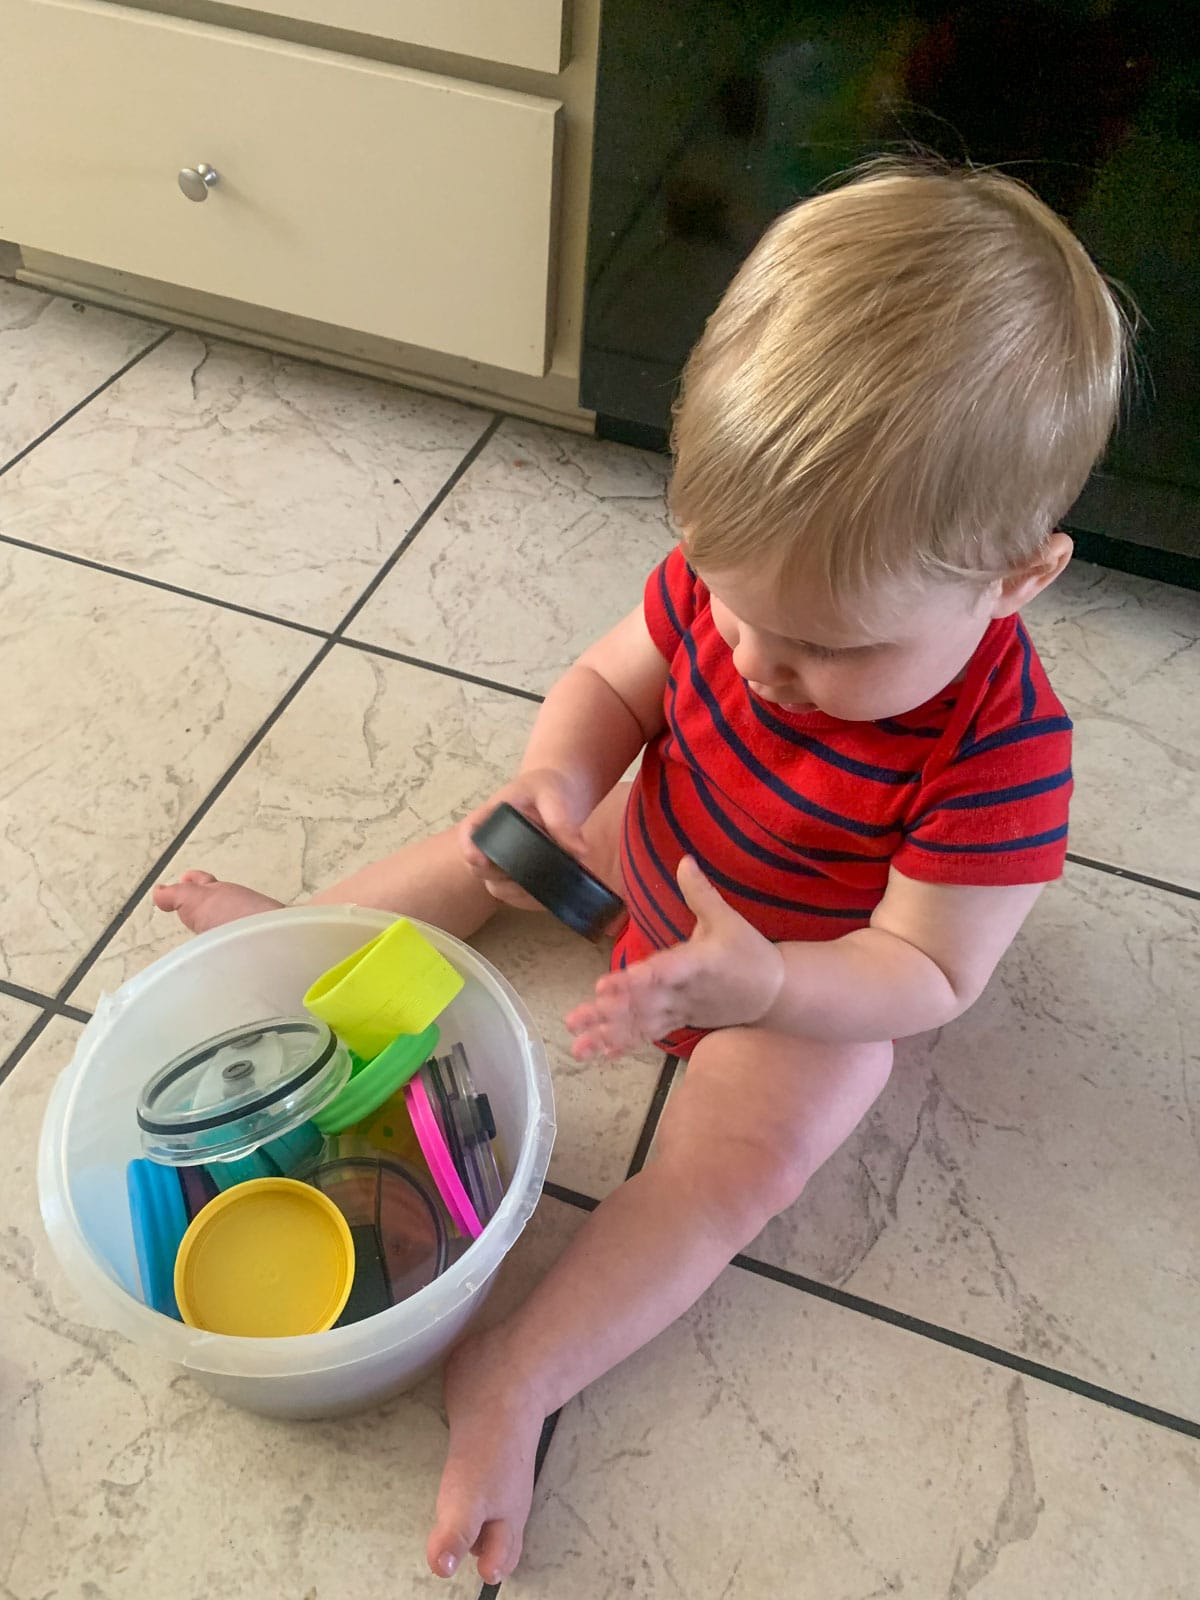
726, 974
548, 798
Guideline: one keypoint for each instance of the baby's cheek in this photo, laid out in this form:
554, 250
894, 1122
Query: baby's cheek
855, 689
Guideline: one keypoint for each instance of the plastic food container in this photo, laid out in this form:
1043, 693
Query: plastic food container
233, 976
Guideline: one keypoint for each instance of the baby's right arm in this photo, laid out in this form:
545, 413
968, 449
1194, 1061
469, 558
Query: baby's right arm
592, 724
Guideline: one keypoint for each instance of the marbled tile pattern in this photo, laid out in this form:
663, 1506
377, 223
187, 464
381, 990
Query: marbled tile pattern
1040, 1152
768, 1444
130, 707
15, 1018
53, 353
540, 548
1124, 655
242, 475
123, 1477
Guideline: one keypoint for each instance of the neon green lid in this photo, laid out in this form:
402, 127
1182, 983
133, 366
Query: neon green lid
373, 1082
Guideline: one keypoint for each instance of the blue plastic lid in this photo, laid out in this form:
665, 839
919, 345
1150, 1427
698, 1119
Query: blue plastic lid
159, 1219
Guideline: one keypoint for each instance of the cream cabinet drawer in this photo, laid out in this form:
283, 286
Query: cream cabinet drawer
520, 33
392, 202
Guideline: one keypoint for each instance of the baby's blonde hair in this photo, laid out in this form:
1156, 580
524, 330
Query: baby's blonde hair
911, 374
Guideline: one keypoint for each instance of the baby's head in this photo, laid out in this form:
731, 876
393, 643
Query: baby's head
901, 393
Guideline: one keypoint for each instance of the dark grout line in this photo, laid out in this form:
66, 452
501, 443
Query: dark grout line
1133, 877
57, 1004
30, 1037
87, 400
151, 877
962, 1342
583, 1202
44, 1002
444, 671
569, 1197
966, 1345
364, 646
451, 483
31, 997
658, 1100
159, 583
489, 1591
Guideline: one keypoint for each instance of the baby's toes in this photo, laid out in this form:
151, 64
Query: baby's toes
498, 1549
167, 896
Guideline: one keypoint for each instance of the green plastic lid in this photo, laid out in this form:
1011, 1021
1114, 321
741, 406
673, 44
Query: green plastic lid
373, 1082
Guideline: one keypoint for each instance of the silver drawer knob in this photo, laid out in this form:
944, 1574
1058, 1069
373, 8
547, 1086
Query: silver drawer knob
198, 180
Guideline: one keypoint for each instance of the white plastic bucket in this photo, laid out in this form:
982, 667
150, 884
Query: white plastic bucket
247, 970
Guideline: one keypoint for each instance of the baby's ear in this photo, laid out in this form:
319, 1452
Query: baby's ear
1019, 588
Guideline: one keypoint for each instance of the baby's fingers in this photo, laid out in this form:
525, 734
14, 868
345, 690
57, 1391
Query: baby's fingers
591, 1028
625, 1010
602, 1027
509, 893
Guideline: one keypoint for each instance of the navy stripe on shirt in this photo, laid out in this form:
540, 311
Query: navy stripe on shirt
834, 758
650, 899
1028, 692
668, 603
723, 880
995, 848
890, 725
784, 791
730, 829
809, 852
997, 797
1034, 729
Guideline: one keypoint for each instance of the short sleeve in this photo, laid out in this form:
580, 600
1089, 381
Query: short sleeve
672, 598
996, 813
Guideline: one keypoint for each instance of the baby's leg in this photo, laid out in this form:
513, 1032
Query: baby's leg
428, 879
756, 1115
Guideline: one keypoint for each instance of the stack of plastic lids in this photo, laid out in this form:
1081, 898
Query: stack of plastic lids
231, 1123
455, 1130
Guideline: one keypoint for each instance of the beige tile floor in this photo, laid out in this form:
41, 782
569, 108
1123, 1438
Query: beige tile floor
964, 1365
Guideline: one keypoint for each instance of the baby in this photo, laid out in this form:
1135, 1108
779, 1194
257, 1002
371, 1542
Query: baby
854, 774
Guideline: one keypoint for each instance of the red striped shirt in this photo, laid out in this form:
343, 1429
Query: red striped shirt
797, 816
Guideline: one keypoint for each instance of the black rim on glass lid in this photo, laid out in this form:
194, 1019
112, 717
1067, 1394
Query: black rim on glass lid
546, 871
223, 1098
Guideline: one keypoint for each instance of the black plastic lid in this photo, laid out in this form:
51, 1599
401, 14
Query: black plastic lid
544, 869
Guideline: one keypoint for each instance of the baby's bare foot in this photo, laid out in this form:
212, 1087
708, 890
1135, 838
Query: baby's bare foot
487, 1483
204, 902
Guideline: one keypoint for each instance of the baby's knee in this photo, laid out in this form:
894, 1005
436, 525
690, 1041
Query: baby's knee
756, 1117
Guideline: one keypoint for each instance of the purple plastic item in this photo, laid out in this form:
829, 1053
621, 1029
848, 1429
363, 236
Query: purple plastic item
198, 1189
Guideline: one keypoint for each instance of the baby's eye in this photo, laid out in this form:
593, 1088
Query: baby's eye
820, 652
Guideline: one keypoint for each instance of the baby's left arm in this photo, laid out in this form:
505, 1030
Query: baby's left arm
926, 956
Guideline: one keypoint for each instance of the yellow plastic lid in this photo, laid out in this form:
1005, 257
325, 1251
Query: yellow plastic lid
268, 1259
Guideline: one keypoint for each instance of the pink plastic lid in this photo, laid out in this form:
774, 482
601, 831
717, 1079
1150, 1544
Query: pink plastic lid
441, 1164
